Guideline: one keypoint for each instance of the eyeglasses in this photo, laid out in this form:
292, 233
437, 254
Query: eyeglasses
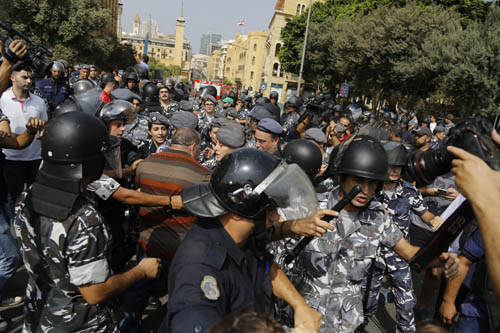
209, 104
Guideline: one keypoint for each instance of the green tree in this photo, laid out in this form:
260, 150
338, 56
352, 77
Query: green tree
71, 28
334, 10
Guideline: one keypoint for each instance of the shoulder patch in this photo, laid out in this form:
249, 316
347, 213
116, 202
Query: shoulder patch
209, 288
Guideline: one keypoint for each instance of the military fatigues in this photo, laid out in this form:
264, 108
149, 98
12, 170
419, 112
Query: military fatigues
173, 106
331, 271
288, 122
400, 203
59, 257
210, 277
138, 131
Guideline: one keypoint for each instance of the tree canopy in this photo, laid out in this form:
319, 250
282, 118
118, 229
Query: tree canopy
71, 29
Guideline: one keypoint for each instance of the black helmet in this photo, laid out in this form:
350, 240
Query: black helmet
211, 90
116, 110
292, 101
150, 92
141, 71
88, 102
258, 95
232, 186
337, 108
425, 119
69, 105
274, 95
304, 153
81, 86
75, 138
132, 76
363, 156
396, 153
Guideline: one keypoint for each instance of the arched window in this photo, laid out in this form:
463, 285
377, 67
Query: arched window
303, 9
276, 69
298, 9
277, 50
253, 60
255, 47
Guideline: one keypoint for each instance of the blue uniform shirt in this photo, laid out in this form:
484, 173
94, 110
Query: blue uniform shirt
54, 92
210, 277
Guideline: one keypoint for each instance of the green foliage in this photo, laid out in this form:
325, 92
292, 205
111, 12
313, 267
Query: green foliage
70, 28
168, 71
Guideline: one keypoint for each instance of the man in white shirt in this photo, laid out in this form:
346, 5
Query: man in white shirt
18, 104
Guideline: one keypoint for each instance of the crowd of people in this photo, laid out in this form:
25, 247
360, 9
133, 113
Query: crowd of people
115, 184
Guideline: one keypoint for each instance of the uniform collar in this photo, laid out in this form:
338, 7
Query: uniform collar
221, 238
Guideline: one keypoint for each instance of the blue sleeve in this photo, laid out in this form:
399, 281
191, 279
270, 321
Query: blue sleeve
189, 308
474, 245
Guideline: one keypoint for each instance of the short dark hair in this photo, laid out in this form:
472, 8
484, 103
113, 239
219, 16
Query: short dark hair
186, 136
145, 58
397, 131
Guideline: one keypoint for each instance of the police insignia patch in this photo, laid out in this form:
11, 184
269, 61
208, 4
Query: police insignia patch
209, 288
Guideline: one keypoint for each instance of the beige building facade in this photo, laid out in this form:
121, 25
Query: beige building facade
274, 77
245, 59
113, 26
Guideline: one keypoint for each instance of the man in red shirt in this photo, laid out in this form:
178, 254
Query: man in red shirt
108, 85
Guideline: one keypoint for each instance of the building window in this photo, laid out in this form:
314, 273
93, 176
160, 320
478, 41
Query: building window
276, 69
251, 75
253, 60
303, 8
277, 50
255, 47
298, 9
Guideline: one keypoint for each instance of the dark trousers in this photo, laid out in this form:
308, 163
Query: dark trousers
16, 174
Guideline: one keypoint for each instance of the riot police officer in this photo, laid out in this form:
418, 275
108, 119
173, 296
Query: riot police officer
332, 270
54, 88
64, 239
222, 266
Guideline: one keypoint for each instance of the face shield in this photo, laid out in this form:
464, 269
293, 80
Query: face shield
289, 187
113, 165
89, 101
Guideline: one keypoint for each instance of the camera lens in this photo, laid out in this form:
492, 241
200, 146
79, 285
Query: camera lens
425, 166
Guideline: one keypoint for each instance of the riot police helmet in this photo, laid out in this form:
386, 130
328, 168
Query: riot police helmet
211, 90
247, 182
150, 92
132, 76
425, 119
274, 95
396, 153
363, 156
304, 153
293, 101
82, 86
142, 71
58, 66
116, 110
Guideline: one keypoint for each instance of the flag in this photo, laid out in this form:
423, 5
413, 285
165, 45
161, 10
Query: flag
241, 23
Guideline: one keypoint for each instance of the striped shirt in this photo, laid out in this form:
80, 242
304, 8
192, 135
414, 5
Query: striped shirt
166, 173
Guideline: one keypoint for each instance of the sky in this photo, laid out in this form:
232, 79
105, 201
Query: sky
201, 16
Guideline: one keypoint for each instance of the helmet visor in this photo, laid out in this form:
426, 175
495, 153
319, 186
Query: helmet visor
292, 191
113, 166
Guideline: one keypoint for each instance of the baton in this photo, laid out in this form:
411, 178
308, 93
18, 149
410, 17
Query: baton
338, 207
443, 237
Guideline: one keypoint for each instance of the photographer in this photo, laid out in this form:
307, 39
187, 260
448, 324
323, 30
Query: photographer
481, 185
20, 50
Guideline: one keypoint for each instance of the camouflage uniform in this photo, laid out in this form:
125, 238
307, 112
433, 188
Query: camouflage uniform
288, 122
332, 270
138, 131
173, 106
210, 163
104, 187
243, 114
400, 203
60, 257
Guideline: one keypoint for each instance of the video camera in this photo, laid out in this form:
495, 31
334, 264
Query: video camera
471, 134
33, 58
318, 104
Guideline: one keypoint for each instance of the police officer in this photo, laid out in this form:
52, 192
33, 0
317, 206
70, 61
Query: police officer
230, 136
400, 199
206, 115
290, 117
222, 266
268, 135
65, 242
54, 88
254, 117
332, 270
132, 82
167, 102
158, 130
